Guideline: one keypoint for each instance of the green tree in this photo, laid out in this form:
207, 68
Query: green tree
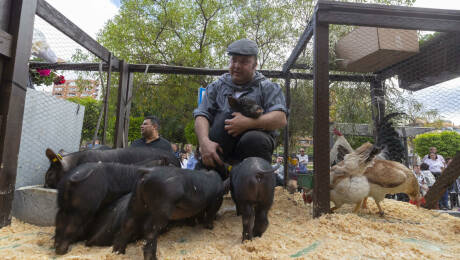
190, 135
134, 128
92, 110
195, 33
446, 142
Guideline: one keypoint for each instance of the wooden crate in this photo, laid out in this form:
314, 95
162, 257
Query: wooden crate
370, 49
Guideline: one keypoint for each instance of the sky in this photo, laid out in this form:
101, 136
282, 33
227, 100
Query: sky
91, 16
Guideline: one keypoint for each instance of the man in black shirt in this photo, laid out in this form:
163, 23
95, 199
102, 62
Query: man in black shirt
151, 136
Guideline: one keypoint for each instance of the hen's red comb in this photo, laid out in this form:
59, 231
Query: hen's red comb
337, 132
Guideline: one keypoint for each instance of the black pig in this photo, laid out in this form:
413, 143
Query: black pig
107, 223
60, 165
252, 187
83, 191
168, 193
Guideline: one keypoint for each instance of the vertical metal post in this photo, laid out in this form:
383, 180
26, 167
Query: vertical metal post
121, 105
106, 101
321, 191
129, 93
378, 103
286, 130
13, 89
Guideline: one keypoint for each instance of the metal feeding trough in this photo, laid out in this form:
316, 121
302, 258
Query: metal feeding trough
35, 205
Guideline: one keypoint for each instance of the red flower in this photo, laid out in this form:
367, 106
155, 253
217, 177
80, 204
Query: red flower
44, 72
59, 80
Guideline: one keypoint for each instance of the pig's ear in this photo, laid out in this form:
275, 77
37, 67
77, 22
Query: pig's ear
53, 157
62, 152
81, 176
233, 102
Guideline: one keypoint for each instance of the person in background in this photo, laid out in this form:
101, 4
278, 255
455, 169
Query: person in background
191, 163
183, 160
175, 149
96, 144
280, 171
150, 130
189, 151
421, 180
427, 175
436, 166
303, 158
438, 156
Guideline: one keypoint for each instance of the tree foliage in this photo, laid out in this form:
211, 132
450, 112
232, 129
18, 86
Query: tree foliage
92, 110
447, 143
195, 33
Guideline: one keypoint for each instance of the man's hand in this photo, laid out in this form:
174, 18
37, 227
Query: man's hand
238, 124
209, 154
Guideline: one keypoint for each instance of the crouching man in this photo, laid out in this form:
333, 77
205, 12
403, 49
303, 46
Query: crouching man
255, 137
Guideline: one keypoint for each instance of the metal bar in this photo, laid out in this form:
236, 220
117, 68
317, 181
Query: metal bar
12, 99
321, 195
166, 69
286, 132
301, 66
377, 103
69, 66
129, 94
121, 105
300, 46
5, 43
365, 129
106, 105
398, 17
60, 22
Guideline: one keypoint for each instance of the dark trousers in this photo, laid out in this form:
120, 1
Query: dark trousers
443, 202
253, 143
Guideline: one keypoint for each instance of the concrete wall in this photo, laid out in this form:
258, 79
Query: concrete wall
48, 122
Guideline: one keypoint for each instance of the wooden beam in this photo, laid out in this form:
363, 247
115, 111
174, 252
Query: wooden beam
286, 131
15, 76
5, 43
321, 196
60, 22
384, 16
300, 46
121, 105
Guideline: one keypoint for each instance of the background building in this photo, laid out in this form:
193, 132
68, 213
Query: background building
77, 88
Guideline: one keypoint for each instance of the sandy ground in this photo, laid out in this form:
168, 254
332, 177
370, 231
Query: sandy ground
404, 233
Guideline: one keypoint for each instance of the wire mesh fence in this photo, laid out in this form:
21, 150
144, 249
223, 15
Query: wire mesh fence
418, 70
82, 84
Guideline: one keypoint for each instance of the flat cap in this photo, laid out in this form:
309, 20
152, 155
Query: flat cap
243, 47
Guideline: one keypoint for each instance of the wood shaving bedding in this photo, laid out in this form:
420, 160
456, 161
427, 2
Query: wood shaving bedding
406, 232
